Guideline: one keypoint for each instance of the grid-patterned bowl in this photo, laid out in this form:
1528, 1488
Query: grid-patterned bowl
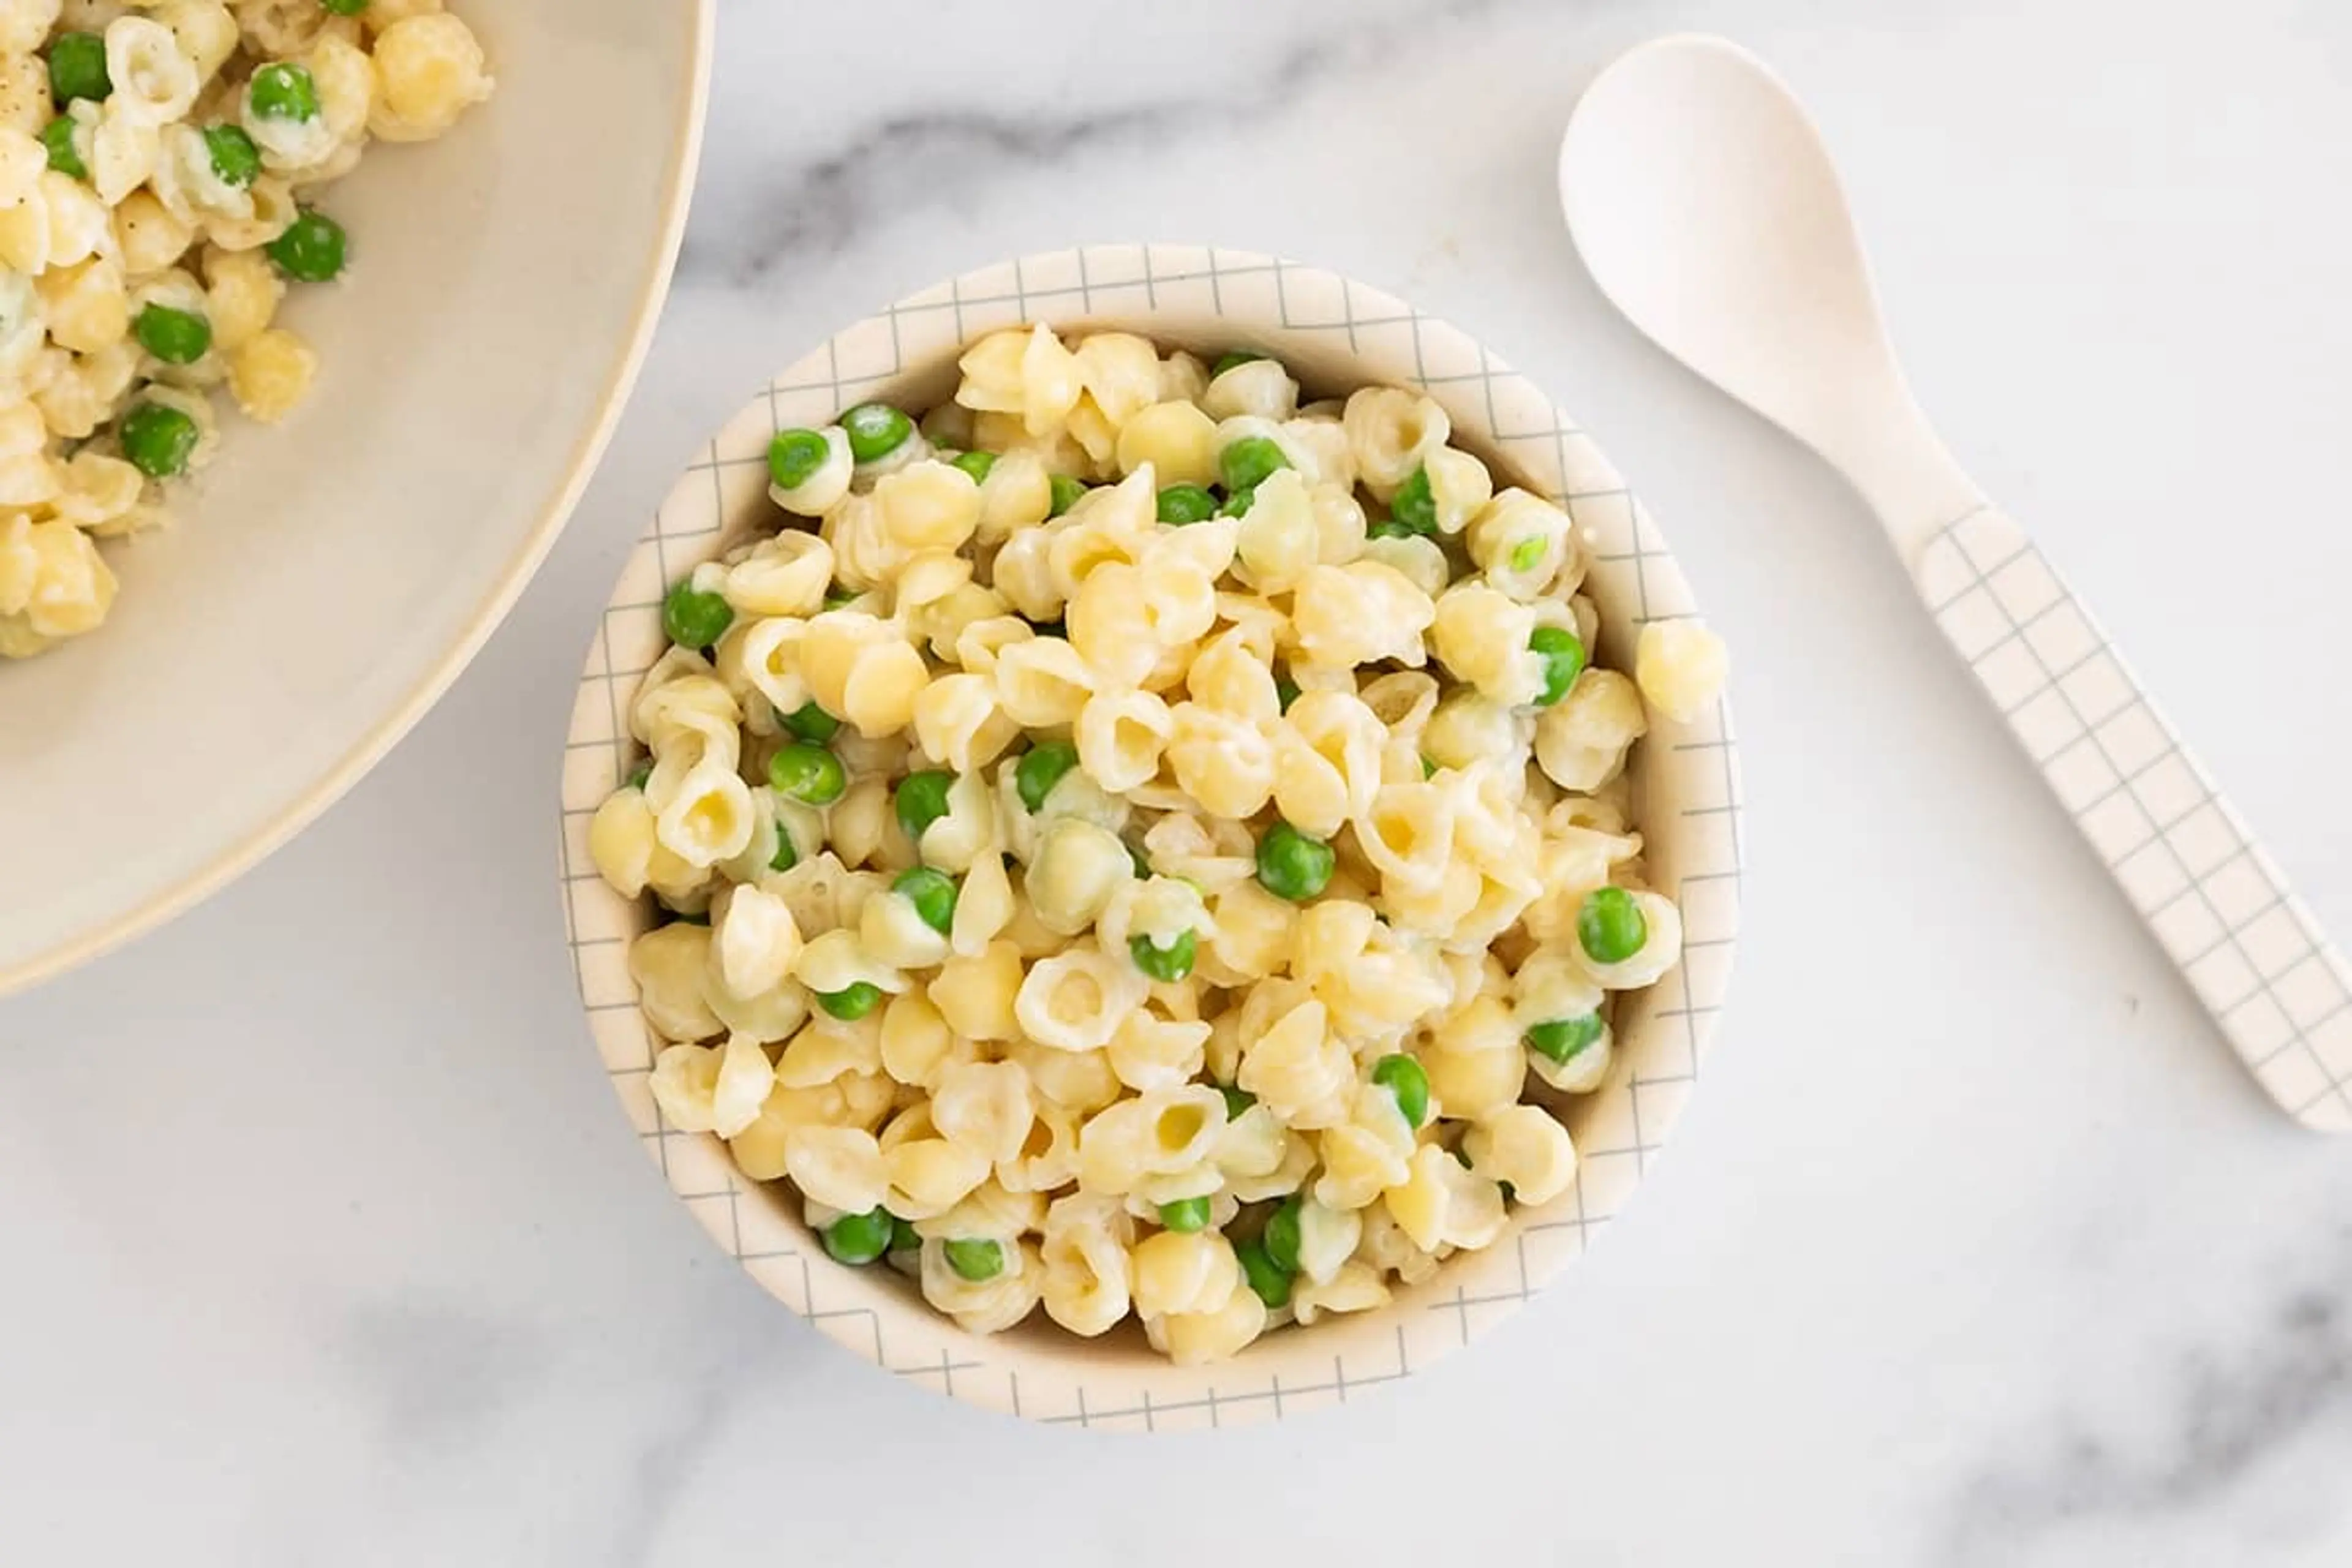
1335, 335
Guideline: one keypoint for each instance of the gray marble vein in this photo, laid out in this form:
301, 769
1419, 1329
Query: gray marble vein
435, 1373
2228, 1411
665, 1460
882, 167
817, 208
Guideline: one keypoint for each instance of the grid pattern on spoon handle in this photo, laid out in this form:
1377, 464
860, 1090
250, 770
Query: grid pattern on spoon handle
2255, 957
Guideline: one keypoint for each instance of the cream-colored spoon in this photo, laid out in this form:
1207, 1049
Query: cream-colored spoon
1707, 207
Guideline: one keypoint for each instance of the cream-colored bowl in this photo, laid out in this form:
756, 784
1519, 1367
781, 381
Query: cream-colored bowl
329, 578
1334, 334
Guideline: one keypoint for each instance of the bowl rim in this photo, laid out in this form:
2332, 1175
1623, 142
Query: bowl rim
1047, 1374
489, 614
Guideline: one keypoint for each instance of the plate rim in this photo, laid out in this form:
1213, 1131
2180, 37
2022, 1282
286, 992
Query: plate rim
76, 949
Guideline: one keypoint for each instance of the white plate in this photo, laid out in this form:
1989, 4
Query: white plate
329, 578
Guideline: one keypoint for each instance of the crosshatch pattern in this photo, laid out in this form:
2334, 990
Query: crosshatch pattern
1336, 333
2253, 953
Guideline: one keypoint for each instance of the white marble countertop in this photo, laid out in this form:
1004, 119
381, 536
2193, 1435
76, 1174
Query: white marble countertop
326, 1246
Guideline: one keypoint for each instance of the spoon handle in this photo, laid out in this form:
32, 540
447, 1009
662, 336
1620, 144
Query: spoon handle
2216, 901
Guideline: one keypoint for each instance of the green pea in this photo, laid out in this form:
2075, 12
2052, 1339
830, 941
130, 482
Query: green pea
876, 430
1611, 926
1525, 554
1412, 505
837, 597
1185, 1214
976, 464
975, 1258
234, 157
345, 7
1064, 491
1286, 692
1041, 768
851, 1002
1281, 1237
796, 455
1562, 652
1402, 1076
1226, 361
1244, 464
57, 136
933, 894
807, 773
78, 68
1238, 503
1180, 504
903, 1235
810, 722
1237, 1100
1388, 528
1267, 1280
921, 800
786, 856
159, 440
312, 248
694, 617
1561, 1038
1428, 768
175, 337
1292, 866
640, 773
282, 91
1170, 963
858, 1239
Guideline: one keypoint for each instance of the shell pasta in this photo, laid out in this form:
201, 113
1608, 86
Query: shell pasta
159, 162
1139, 843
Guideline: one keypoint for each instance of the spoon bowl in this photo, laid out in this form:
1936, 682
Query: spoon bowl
1705, 203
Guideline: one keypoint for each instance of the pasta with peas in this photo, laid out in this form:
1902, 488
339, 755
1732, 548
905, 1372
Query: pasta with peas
159, 163
1135, 843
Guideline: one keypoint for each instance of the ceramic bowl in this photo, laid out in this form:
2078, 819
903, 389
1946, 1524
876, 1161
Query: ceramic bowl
1334, 334
327, 579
